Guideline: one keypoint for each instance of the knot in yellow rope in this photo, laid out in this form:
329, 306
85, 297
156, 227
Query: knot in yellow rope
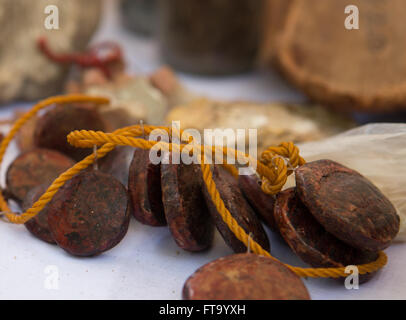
281, 161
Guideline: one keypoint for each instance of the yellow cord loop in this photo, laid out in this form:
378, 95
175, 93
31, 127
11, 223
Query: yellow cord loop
274, 158
274, 166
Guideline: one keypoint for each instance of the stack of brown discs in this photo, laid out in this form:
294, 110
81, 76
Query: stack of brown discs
175, 194
334, 217
90, 213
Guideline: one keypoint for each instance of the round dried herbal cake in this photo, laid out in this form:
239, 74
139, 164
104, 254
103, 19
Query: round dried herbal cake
38, 225
188, 217
53, 127
144, 189
244, 277
262, 203
33, 168
309, 240
347, 205
238, 207
89, 214
117, 163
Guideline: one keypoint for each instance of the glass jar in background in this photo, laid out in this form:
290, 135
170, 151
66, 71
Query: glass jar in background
139, 16
212, 37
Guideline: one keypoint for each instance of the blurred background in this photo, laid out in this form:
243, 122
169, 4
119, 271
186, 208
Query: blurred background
267, 63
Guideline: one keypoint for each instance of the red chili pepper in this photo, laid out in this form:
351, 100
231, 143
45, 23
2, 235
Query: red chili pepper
89, 58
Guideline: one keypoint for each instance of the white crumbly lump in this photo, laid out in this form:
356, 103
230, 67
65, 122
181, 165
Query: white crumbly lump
377, 151
275, 122
136, 97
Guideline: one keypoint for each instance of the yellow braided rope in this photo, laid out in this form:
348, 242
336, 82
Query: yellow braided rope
274, 166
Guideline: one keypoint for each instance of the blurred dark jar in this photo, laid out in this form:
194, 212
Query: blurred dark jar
139, 16
213, 37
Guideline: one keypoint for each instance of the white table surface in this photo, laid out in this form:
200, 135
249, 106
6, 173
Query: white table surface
147, 264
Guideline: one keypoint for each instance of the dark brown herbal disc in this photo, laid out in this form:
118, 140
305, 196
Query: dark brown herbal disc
33, 168
53, 127
309, 240
89, 214
117, 163
144, 188
244, 277
239, 208
38, 225
188, 217
262, 203
347, 205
